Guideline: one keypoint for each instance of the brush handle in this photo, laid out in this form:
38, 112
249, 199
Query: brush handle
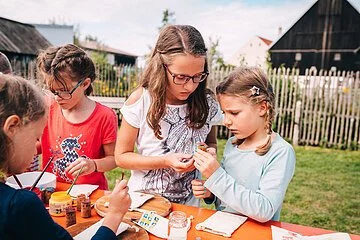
18, 181
41, 174
77, 175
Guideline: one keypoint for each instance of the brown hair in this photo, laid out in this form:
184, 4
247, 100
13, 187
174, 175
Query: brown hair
66, 61
252, 83
174, 40
17, 97
5, 66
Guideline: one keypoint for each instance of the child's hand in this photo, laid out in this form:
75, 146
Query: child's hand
206, 162
73, 168
199, 189
120, 200
180, 162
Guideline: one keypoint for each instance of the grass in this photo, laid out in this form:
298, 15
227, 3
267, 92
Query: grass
324, 192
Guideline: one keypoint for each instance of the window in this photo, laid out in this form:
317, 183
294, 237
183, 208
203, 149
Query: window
337, 57
298, 57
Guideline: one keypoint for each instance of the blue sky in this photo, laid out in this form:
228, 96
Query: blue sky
132, 26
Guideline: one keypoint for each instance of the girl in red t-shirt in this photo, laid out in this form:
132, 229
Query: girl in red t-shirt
80, 133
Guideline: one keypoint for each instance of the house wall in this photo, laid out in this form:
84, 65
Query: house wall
57, 35
110, 58
253, 53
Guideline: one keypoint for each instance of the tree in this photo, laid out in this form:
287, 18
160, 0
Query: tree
77, 34
215, 58
92, 38
167, 18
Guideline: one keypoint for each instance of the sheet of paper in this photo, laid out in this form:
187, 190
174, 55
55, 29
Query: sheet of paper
222, 223
281, 234
86, 189
155, 224
90, 232
138, 199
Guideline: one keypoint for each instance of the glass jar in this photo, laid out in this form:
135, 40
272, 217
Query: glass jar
177, 226
58, 203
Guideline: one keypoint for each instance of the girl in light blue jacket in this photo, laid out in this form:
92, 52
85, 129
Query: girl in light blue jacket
258, 163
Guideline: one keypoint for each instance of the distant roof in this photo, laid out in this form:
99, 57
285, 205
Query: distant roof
266, 41
53, 26
22, 38
92, 45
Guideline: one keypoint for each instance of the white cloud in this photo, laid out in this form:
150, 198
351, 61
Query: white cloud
132, 25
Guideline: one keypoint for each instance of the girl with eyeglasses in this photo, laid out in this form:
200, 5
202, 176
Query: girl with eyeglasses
23, 116
167, 116
80, 133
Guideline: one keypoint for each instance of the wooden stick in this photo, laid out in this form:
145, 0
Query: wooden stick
77, 175
41, 174
18, 181
122, 175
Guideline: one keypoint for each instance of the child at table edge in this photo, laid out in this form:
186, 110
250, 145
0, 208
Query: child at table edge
23, 116
257, 163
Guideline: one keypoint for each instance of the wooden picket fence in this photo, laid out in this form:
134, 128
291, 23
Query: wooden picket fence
320, 108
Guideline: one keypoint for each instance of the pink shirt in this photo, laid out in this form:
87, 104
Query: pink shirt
67, 141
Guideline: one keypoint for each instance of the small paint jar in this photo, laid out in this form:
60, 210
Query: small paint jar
46, 194
70, 216
201, 146
79, 199
58, 202
86, 208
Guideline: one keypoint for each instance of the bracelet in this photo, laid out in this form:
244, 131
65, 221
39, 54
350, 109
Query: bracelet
96, 169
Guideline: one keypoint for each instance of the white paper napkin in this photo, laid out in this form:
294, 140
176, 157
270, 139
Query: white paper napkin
221, 223
280, 234
138, 199
86, 189
90, 232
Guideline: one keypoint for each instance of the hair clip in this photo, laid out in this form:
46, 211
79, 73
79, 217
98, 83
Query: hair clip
255, 91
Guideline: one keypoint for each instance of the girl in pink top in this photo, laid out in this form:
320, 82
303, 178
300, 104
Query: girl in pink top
80, 133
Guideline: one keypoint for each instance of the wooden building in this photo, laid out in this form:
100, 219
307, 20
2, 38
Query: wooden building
20, 42
113, 55
327, 36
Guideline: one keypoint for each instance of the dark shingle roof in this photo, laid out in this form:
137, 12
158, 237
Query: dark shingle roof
21, 38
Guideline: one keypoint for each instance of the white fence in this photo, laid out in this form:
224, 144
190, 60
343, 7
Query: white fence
321, 108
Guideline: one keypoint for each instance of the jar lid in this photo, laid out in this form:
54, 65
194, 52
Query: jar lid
60, 196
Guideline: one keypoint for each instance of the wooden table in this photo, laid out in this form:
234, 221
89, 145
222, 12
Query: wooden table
249, 230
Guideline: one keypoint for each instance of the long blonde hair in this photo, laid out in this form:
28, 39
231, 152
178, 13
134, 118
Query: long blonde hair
174, 40
252, 83
17, 97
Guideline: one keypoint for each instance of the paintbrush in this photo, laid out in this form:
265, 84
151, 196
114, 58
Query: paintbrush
41, 174
18, 181
77, 175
